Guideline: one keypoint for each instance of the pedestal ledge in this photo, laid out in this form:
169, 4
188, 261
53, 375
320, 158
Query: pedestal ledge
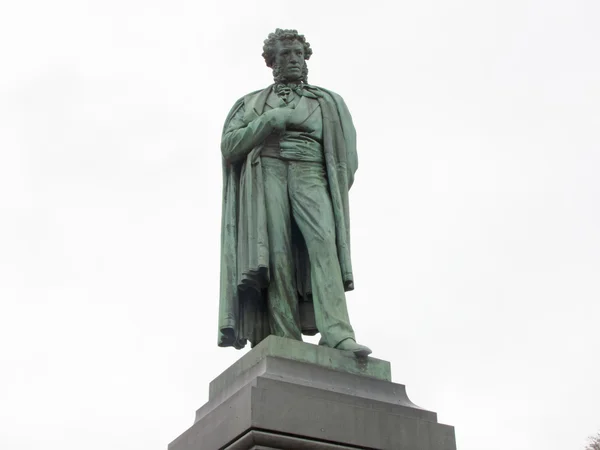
287, 394
302, 352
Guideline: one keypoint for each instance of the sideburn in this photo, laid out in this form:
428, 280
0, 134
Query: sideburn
278, 78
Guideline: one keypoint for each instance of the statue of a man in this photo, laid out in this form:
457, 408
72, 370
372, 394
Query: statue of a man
289, 158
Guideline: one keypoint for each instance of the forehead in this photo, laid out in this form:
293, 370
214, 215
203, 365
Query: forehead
289, 45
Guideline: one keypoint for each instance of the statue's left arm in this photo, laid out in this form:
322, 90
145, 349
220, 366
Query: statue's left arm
349, 137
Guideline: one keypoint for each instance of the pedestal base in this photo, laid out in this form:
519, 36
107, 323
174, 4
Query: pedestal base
288, 394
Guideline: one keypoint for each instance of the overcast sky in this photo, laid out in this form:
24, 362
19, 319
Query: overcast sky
475, 210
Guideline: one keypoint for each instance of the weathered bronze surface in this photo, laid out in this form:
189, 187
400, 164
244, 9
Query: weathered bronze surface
289, 158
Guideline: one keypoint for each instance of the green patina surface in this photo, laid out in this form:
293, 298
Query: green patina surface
289, 159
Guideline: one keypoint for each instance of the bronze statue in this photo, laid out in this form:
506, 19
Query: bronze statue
289, 158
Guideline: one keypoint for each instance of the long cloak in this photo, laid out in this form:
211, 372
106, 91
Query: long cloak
244, 236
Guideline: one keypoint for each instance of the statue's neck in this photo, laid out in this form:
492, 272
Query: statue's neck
290, 82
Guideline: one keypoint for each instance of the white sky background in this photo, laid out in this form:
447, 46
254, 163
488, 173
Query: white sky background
475, 212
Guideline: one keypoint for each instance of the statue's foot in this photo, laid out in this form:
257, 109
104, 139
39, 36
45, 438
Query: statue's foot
360, 351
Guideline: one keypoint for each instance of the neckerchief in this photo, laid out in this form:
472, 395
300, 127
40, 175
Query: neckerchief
284, 91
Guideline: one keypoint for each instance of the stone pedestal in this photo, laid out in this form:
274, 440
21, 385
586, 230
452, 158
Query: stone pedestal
288, 394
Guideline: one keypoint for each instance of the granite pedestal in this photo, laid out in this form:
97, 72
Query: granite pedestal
287, 394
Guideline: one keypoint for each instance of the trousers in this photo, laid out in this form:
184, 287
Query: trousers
297, 190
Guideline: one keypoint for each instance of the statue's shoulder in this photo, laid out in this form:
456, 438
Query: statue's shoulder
334, 99
328, 92
252, 96
243, 102
249, 100
246, 98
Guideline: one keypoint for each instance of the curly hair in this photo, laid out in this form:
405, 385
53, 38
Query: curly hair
283, 35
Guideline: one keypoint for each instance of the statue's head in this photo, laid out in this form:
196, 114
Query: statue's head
286, 52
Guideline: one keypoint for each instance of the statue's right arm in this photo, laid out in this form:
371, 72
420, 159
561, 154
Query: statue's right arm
239, 137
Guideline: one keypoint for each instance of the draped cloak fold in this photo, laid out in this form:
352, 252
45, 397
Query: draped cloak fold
244, 236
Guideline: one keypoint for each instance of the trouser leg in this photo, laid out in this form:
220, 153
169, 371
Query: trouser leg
282, 294
313, 212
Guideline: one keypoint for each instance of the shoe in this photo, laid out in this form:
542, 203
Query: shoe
350, 345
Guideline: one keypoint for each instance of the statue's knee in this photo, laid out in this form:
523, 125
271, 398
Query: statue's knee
322, 245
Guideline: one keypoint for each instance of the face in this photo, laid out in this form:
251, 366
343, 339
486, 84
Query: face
289, 58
